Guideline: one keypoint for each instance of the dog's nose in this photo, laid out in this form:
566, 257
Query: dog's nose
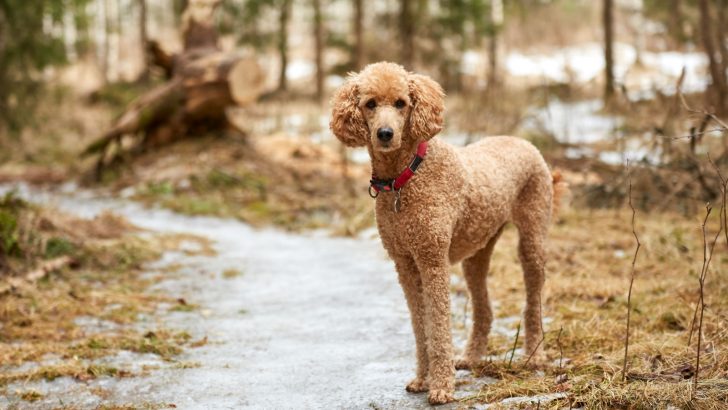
385, 134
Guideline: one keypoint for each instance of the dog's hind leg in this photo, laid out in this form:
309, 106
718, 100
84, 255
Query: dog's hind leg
409, 278
475, 270
532, 215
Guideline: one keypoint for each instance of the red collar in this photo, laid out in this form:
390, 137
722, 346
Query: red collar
397, 183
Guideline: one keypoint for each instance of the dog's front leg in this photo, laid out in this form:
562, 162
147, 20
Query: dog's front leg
436, 291
409, 278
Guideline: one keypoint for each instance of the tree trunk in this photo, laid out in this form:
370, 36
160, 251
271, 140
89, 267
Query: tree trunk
721, 32
144, 40
492, 60
407, 34
283, 44
106, 43
717, 71
496, 21
676, 21
70, 32
358, 57
318, 34
115, 50
608, 20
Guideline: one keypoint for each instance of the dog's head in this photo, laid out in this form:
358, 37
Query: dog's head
386, 107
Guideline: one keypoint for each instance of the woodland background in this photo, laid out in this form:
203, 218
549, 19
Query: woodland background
219, 108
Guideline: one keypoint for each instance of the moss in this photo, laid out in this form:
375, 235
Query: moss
10, 209
193, 205
9, 245
259, 209
162, 188
58, 246
219, 179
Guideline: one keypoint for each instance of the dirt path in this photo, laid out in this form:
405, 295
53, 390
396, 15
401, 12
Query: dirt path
312, 322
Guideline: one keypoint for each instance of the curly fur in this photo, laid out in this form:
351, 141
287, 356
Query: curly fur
453, 210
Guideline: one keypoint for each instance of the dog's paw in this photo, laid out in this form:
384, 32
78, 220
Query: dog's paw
440, 396
417, 385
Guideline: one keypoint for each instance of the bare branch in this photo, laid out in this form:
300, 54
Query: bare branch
697, 134
538, 345
631, 281
513, 351
707, 258
703, 112
561, 348
36, 274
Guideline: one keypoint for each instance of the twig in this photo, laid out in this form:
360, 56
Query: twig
707, 258
697, 134
561, 348
703, 112
724, 228
530, 356
701, 301
34, 275
724, 193
631, 282
692, 322
513, 351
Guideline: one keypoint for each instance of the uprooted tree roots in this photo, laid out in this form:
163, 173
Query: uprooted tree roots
204, 82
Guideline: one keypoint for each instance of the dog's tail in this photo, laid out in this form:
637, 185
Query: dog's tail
561, 191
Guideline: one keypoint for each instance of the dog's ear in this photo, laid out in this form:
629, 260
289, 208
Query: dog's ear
428, 104
347, 121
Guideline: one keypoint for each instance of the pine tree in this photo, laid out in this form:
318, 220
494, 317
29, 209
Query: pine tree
26, 48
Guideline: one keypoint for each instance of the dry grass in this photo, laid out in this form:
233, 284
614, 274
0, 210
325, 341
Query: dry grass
290, 182
586, 288
41, 320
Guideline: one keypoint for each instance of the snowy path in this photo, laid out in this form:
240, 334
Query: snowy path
313, 322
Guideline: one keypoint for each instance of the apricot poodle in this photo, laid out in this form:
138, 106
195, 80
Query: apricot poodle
452, 209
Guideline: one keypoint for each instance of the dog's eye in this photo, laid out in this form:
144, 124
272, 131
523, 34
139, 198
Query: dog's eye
400, 103
371, 104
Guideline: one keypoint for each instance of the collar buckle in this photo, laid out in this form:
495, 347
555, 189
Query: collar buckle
395, 185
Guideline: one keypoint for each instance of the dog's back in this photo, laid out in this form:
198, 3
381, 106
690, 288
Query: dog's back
504, 175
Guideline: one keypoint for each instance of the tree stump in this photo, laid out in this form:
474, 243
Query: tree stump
203, 83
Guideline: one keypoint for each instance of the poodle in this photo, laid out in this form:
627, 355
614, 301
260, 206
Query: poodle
452, 209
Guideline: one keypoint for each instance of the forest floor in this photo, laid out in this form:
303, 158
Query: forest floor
234, 316
238, 271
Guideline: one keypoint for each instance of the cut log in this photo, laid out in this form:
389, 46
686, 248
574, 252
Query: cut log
203, 83
195, 99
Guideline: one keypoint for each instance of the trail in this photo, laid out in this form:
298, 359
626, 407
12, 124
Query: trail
313, 322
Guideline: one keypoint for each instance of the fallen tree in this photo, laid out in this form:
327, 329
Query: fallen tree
203, 83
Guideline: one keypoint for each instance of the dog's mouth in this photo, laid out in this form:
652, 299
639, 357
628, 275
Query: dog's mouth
386, 146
